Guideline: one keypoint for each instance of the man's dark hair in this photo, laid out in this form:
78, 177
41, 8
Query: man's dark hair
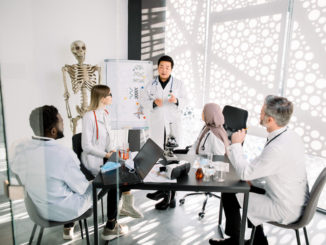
166, 58
43, 119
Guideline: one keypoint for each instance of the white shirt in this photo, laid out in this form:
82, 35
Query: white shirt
280, 170
51, 175
211, 143
95, 148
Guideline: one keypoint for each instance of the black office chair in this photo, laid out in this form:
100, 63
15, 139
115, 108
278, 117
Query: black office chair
308, 212
44, 223
234, 119
77, 147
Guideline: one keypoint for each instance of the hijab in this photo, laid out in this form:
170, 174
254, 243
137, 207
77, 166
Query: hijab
214, 121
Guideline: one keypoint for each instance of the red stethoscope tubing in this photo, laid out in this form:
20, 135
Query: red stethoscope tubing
96, 122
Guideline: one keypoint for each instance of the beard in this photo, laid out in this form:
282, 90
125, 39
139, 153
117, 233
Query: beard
60, 134
263, 121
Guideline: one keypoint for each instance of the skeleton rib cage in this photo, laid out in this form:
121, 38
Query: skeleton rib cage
82, 76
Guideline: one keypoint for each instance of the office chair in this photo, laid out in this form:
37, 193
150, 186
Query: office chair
234, 119
77, 147
308, 212
44, 223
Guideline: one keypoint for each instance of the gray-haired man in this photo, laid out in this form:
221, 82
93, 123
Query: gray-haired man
279, 173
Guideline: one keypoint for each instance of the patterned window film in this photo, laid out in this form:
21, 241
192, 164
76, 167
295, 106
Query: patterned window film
235, 52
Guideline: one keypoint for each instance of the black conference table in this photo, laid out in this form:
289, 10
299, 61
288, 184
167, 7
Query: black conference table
232, 184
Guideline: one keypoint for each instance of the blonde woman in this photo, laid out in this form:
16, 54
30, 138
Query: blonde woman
97, 146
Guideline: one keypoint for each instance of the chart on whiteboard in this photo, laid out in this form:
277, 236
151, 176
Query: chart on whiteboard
127, 79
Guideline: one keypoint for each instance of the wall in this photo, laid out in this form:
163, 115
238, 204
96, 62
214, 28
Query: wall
35, 43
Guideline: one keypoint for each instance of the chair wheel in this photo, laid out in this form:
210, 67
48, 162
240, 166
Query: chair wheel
201, 215
182, 201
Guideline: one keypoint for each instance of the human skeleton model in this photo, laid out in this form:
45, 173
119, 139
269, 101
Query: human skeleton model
82, 78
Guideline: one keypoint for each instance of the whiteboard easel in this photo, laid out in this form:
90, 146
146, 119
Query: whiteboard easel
127, 79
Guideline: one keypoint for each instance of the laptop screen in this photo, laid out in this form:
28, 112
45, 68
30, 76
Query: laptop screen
147, 157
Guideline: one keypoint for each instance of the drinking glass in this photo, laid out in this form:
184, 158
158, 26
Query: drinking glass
196, 163
221, 169
209, 158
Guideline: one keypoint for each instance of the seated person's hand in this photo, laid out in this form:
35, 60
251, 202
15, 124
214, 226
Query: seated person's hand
239, 136
109, 154
158, 102
173, 99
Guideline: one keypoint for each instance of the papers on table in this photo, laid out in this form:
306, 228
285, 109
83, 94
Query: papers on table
221, 166
156, 176
130, 164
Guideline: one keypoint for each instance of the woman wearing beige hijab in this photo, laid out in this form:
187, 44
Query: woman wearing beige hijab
213, 137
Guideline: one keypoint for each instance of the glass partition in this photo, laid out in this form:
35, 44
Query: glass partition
6, 221
228, 52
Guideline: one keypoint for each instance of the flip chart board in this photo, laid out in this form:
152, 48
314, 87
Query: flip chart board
127, 79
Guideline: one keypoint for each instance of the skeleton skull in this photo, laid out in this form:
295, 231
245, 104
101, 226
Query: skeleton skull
78, 49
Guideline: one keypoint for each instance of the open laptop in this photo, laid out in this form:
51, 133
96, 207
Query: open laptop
143, 163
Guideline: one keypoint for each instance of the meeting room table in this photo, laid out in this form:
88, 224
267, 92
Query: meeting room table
231, 184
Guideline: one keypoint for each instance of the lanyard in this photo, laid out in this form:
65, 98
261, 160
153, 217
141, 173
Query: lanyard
274, 138
96, 122
203, 146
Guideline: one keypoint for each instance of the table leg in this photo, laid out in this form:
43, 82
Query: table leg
244, 218
95, 215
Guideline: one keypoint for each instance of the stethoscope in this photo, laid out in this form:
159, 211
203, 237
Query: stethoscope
203, 146
156, 83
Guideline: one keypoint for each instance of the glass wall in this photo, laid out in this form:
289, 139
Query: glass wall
42, 65
6, 223
232, 52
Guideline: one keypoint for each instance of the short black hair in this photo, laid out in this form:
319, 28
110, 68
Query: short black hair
43, 119
165, 58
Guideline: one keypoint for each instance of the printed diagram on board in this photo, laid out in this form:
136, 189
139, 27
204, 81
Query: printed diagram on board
139, 74
140, 111
138, 82
127, 80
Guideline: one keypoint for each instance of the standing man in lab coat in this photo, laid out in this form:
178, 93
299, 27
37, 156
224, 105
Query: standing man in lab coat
279, 173
163, 99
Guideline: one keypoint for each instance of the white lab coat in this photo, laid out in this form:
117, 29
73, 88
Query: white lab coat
94, 150
160, 117
51, 175
212, 145
280, 170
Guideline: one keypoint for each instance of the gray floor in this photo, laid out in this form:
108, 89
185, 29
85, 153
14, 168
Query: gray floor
173, 226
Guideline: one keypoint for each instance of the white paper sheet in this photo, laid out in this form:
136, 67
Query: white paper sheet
156, 176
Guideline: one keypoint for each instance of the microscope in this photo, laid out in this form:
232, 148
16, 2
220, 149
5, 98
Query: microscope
170, 144
173, 167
